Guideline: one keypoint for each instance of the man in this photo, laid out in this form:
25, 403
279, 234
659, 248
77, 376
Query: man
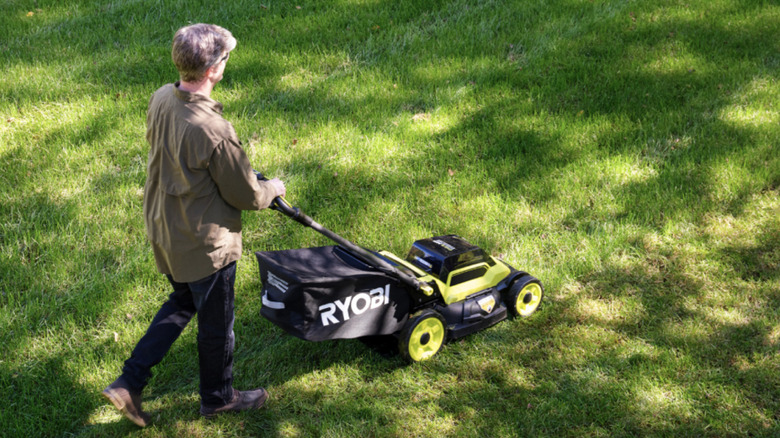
199, 179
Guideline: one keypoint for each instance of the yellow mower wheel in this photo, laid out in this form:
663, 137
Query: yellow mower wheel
525, 296
423, 336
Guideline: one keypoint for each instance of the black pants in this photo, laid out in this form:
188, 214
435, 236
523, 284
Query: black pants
212, 300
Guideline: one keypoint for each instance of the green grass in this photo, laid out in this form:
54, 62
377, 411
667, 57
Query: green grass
624, 152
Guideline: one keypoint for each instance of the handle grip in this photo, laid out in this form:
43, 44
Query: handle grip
281, 205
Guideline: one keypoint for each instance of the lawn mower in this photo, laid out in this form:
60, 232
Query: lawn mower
444, 289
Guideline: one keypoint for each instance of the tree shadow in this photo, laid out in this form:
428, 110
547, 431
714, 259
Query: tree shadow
758, 262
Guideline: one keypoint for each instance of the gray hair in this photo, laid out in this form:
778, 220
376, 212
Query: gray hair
199, 46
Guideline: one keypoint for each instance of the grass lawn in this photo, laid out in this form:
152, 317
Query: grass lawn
625, 152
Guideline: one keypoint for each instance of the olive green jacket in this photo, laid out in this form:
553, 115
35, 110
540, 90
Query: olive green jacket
198, 181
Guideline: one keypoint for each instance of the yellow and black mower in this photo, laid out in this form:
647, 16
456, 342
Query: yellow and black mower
444, 289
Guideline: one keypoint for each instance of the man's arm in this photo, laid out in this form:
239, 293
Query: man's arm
230, 168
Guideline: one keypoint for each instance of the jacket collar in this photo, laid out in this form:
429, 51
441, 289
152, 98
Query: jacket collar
196, 98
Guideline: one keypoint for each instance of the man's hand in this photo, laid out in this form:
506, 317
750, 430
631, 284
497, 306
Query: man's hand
279, 186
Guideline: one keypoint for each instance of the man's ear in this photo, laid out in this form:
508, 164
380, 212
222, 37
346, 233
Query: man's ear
210, 71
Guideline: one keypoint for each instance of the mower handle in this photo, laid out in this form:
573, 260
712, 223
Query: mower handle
281, 205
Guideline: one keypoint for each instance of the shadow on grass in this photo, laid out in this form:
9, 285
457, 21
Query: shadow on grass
759, 262
69, 267
672, 346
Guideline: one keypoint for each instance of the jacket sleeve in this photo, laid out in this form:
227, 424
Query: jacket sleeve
230, 168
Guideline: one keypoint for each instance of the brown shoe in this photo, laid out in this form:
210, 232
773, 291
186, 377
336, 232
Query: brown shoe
242, 400
126, 401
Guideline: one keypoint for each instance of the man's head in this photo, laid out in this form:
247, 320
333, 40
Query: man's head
198, 47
